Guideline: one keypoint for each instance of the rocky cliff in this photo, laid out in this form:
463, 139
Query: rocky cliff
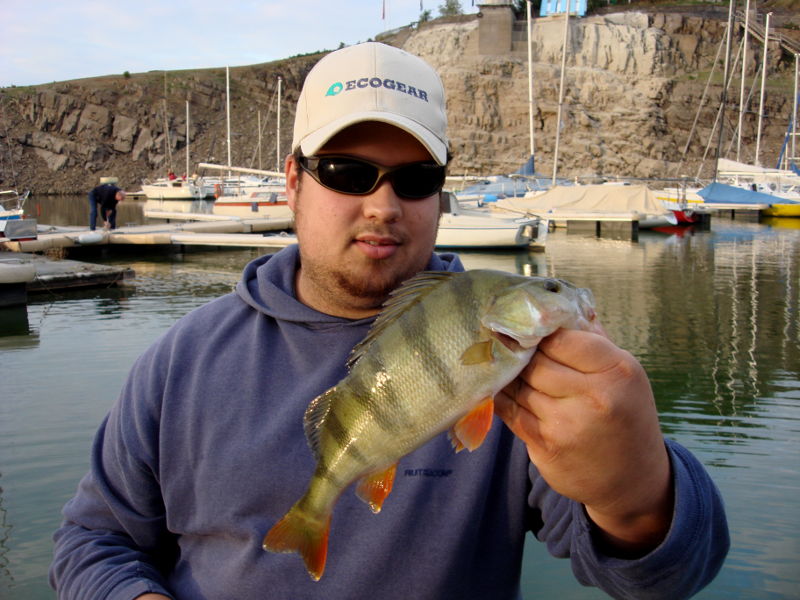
633, 85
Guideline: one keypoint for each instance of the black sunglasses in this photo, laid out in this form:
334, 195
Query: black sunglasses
359, 177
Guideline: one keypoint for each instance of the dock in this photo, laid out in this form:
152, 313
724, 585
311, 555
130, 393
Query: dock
22, 274
218, 231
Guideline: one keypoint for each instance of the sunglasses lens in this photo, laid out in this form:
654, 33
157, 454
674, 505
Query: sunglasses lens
353, 176
347, 176
418, 181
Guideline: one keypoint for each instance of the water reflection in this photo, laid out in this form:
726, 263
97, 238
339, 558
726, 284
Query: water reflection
14, 321
522, 262
73, 210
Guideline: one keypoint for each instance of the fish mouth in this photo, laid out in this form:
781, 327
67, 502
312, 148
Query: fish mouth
507, 341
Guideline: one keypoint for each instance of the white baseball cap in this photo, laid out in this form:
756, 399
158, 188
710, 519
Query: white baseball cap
371, 82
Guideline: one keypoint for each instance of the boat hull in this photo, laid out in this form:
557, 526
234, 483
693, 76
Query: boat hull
782, 210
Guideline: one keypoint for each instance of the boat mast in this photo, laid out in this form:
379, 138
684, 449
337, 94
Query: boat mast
278, 129
530, 78
794, 113
741, 85
187, 140
728, 38
763, 81
228, 111
561, 89
259, 139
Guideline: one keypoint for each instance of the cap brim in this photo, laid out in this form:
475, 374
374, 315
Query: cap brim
312, 143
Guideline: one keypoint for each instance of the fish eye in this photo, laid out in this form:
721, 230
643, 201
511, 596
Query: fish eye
551, 285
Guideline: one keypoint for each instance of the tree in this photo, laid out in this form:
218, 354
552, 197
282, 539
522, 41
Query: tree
450, 8
424, 16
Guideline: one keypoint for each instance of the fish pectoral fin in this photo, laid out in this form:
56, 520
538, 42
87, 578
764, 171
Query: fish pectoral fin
298, 532
374, 487
471, 429
480, 352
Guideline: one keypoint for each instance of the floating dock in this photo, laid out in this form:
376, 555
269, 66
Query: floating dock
22, 274
219, 231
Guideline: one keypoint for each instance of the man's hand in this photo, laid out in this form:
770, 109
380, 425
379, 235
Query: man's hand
586, 412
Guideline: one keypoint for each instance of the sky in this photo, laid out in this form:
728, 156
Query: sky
42, 41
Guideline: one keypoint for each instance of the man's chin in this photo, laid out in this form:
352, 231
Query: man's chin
370, 292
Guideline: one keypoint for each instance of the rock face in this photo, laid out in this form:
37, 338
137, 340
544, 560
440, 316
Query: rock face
633, 86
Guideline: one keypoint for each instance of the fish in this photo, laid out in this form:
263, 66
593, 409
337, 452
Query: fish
440, 349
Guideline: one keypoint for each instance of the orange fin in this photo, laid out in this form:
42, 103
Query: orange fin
373, 488
480, 352
297, 532
471, 429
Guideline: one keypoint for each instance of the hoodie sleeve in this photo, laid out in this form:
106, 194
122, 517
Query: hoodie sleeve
669, 571
113, 542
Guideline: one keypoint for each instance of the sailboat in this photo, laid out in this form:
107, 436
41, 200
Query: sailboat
773, 191
172, 187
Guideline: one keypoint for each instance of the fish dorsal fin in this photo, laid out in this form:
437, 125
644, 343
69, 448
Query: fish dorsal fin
400, 300
314, 417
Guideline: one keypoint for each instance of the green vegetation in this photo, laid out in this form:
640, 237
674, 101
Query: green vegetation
450, 8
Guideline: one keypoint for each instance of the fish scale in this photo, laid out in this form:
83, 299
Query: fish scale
443, 346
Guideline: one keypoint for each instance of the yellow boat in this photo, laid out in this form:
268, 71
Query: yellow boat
782, 210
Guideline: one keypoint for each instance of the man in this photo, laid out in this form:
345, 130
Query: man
108, 206
204, 450
105, 197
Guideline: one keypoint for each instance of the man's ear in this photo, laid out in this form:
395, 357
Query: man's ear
292, 181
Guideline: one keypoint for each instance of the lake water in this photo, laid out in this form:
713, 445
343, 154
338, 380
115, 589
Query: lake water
713, 316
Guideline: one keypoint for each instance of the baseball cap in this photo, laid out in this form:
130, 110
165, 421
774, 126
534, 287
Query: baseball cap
371, 82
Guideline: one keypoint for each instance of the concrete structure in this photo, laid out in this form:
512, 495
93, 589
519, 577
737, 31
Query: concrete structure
496, 27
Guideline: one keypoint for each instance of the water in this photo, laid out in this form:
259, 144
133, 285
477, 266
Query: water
713, 317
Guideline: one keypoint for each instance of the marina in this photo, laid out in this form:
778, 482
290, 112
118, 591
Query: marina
700, 282
712, 315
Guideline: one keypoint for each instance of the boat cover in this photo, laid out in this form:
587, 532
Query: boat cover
721, 193
590, 199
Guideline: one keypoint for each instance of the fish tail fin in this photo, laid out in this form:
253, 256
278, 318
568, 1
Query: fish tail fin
300, 532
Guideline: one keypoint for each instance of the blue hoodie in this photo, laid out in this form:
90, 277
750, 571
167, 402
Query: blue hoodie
204, 451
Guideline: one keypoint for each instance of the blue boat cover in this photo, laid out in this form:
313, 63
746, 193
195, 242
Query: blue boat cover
730, 194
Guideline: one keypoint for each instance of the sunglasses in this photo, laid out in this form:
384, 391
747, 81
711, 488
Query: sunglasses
358, 177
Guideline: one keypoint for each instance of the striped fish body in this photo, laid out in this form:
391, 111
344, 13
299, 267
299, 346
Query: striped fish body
443, 346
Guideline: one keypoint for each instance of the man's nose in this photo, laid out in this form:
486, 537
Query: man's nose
383, 203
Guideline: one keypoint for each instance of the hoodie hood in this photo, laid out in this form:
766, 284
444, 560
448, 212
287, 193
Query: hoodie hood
267, 285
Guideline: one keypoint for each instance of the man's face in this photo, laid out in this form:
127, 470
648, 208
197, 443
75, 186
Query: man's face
355, 249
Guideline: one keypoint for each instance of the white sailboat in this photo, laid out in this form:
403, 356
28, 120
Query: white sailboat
175, 188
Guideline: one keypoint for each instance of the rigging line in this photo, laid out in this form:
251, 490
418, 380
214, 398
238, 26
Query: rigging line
717, 121
264, 126
746, 103
700, 107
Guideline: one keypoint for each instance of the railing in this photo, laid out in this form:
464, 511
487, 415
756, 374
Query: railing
757, 31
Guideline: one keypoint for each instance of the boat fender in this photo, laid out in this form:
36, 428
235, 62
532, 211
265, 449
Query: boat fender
489, 198
87, 239
217, 190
